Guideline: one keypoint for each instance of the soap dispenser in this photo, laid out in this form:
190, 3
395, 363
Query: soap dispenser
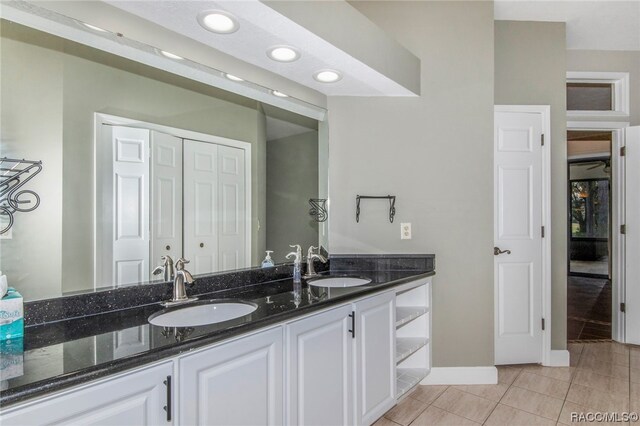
297, 262
268, 262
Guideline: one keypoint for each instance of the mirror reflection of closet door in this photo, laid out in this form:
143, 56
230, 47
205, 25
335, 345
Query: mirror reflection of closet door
200, 206
127, 203
214, 207
166, 197
232, 239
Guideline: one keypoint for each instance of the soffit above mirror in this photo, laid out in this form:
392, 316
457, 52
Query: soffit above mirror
262, 26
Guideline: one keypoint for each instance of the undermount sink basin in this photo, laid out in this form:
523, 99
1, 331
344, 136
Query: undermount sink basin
202, 314
339, 282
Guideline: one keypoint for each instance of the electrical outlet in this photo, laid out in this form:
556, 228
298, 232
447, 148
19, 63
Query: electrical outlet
405, 231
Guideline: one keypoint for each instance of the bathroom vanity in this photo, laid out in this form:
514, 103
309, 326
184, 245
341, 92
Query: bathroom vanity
312, 355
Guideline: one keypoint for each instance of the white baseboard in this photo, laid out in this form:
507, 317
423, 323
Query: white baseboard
461, 376
558, 358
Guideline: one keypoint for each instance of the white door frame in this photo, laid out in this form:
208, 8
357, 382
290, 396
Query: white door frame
545, 113
102, 119
617, 218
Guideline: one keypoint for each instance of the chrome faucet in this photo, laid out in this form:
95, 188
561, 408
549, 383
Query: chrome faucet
297, 261
166, 268
182, 277
311, 256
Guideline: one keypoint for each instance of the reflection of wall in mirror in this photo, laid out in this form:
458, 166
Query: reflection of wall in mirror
292, 178
51, 89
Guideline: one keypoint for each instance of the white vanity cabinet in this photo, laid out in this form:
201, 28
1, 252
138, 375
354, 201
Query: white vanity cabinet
236, 383
341, 364
346, 365
320, 369
375, 357
135, 398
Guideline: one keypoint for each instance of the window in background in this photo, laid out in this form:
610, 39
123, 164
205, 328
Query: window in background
597, 94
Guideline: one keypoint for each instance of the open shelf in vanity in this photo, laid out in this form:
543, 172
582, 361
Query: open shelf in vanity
413, 336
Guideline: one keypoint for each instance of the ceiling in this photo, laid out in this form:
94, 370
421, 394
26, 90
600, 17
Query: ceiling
591, 25
262, 27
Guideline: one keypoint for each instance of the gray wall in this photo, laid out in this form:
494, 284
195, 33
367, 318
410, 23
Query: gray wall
56, 87
292, 178
31, 127
435, 153
612, 61
530, 69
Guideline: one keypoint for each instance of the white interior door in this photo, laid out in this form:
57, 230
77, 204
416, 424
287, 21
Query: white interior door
166, 197
130, 205
632, 237
518, 215
201, 206
232, 236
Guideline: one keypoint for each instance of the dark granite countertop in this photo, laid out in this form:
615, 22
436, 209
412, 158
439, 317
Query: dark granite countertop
66, 353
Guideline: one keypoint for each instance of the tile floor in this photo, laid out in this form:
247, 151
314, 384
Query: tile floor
603, 377
588, 308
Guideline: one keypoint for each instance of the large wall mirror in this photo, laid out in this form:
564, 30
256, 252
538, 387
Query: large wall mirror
139, 163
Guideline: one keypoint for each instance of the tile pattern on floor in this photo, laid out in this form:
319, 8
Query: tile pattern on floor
603, 377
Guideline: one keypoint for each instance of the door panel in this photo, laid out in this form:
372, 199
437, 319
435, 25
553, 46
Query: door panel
201, 206
136, 399
375, 357
233, 239
130, 201
514, 208
632, 237
320, 366
166, 197
237, 383
514, 292
517, 228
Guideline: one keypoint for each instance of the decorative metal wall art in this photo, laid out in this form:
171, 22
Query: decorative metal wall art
14, 174
318, 209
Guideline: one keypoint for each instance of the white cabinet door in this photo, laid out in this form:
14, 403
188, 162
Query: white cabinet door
236, 383
320, 367
136, 399
375, 357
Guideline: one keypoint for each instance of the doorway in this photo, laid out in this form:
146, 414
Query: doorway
589, 292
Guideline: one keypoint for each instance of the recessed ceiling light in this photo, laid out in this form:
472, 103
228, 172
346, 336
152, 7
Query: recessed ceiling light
283, 53
279, 94
93, 27
170, 55
218, 21
233, 77
327, 76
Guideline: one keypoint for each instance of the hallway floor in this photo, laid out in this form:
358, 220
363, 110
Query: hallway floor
588, 308
603, 377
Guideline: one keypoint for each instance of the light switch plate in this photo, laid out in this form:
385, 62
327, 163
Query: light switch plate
405, 231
